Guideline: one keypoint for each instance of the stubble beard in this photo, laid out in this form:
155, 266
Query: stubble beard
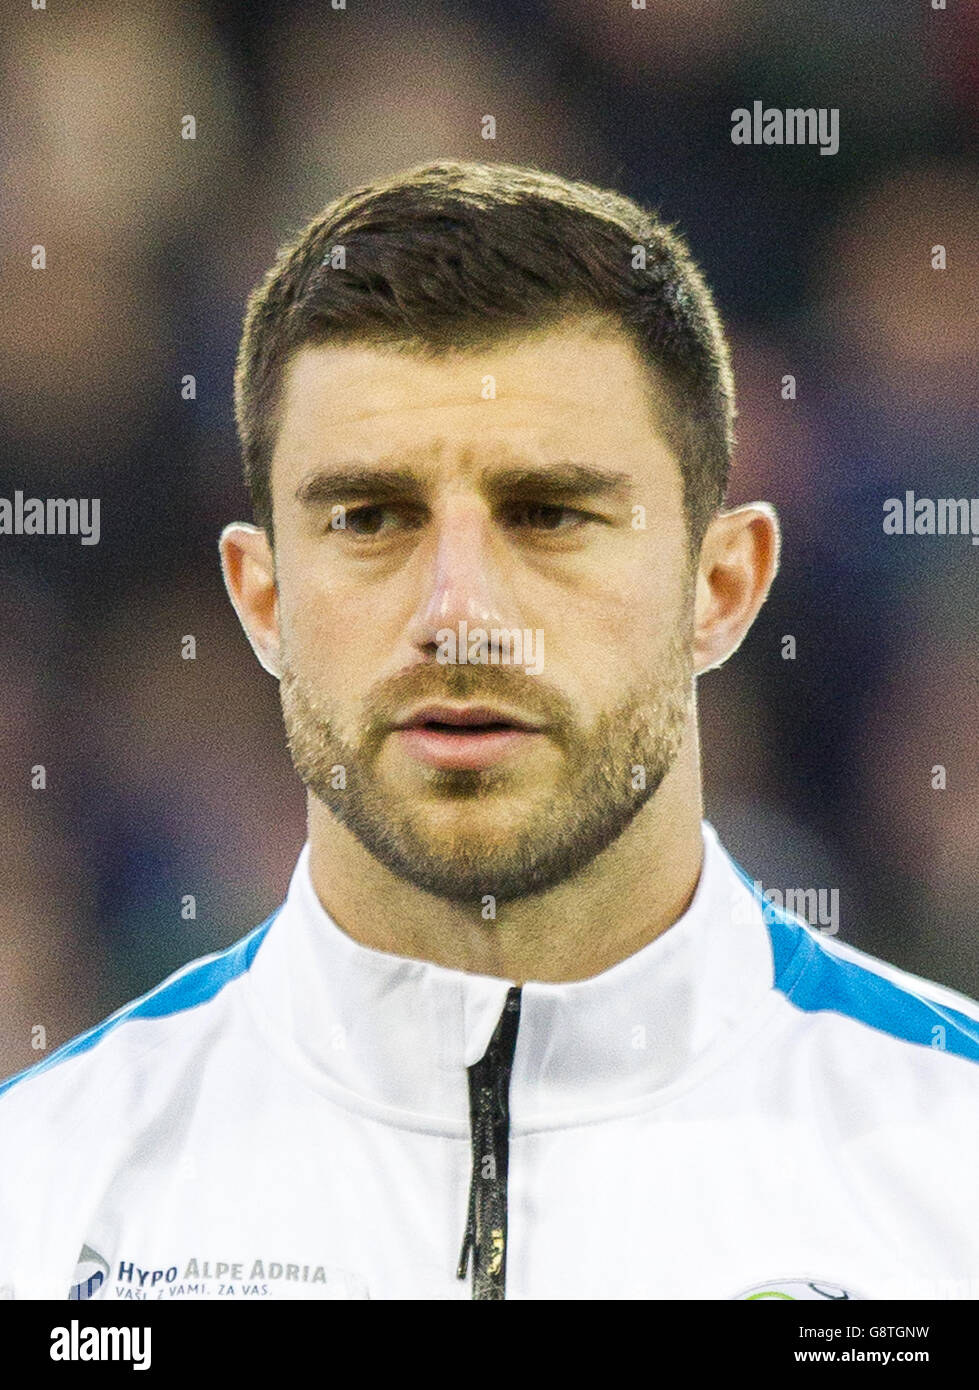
608, 773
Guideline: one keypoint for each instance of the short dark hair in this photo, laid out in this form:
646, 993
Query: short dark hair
454, 255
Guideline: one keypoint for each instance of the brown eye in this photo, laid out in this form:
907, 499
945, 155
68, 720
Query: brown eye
545, 516
365, 521
377, 520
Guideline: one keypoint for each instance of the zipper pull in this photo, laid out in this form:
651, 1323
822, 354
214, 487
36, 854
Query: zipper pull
489, 1119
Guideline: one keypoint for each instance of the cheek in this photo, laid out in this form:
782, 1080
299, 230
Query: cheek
322, 605
326, 646
602, 644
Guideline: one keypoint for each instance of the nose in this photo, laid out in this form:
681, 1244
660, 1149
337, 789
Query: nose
466, 574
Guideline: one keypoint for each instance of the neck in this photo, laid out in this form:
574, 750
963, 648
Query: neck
629, 894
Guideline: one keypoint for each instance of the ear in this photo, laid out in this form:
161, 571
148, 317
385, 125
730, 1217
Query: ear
248, 566
738, 561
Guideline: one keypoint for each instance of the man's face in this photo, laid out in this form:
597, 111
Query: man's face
533, 497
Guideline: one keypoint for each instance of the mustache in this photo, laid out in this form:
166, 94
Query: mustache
491, 685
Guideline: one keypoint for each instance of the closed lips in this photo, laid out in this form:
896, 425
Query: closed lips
478, 719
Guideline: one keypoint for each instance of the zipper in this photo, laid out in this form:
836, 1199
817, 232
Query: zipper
485, 1237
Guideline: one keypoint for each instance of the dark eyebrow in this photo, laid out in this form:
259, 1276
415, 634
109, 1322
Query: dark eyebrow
565, 481
357, 483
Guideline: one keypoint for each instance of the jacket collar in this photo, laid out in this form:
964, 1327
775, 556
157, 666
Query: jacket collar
395, 1034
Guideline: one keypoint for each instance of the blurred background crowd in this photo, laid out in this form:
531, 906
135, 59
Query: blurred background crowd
167, 777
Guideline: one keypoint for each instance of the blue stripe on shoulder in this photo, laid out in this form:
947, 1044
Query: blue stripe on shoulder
196, 986
815, 980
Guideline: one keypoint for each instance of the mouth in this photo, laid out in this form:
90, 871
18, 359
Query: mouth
464, 737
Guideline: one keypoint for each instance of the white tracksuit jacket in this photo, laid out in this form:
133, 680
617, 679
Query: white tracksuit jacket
743, 1108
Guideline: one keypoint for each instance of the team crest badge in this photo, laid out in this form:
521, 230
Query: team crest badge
810, 1290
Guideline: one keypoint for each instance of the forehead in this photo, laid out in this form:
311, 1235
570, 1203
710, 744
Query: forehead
566, 392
